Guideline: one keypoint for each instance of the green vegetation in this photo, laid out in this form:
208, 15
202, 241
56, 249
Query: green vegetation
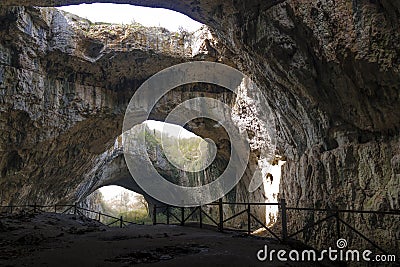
131, 206
189, 152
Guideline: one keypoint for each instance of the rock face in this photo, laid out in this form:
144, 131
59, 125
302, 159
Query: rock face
330, 70
65, 86
62, 84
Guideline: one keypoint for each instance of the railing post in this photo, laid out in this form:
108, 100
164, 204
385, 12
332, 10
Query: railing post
34, 208
11, 209
55, 208
284, 219
248, 219
154, 214
121, 221
337, 225
99, 216
221, 215
182, 216
200, 217
167, 214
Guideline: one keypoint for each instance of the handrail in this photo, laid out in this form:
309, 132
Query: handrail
332, 213
76, 209
391, 212
251, 203
312, 225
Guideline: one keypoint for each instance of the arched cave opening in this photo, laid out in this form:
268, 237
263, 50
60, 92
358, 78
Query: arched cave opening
190, 147
118, 201
96, 73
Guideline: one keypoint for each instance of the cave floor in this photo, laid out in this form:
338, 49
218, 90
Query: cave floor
49, 239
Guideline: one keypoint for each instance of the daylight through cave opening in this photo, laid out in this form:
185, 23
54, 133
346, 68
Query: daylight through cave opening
125, 14
184, 43
118, 201
93, 70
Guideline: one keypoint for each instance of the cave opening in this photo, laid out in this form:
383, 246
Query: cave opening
174, 151
101, 14
126, 14
118, 201
99, 81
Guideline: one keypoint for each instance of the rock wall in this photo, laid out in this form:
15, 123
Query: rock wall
110, 167
64, 87
332, 70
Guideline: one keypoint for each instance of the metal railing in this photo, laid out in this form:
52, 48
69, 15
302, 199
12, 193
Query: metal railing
67, 209
220, 223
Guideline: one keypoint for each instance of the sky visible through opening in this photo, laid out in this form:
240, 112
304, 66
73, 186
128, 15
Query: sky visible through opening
112, 191
174, 130
126, 14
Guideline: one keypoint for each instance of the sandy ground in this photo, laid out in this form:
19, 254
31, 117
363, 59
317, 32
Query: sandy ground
50, 239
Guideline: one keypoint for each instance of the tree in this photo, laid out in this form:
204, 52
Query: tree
125, 203
142, 202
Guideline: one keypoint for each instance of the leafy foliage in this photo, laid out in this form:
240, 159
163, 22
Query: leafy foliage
131, 206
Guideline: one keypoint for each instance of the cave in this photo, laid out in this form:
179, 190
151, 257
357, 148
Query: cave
329, 71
